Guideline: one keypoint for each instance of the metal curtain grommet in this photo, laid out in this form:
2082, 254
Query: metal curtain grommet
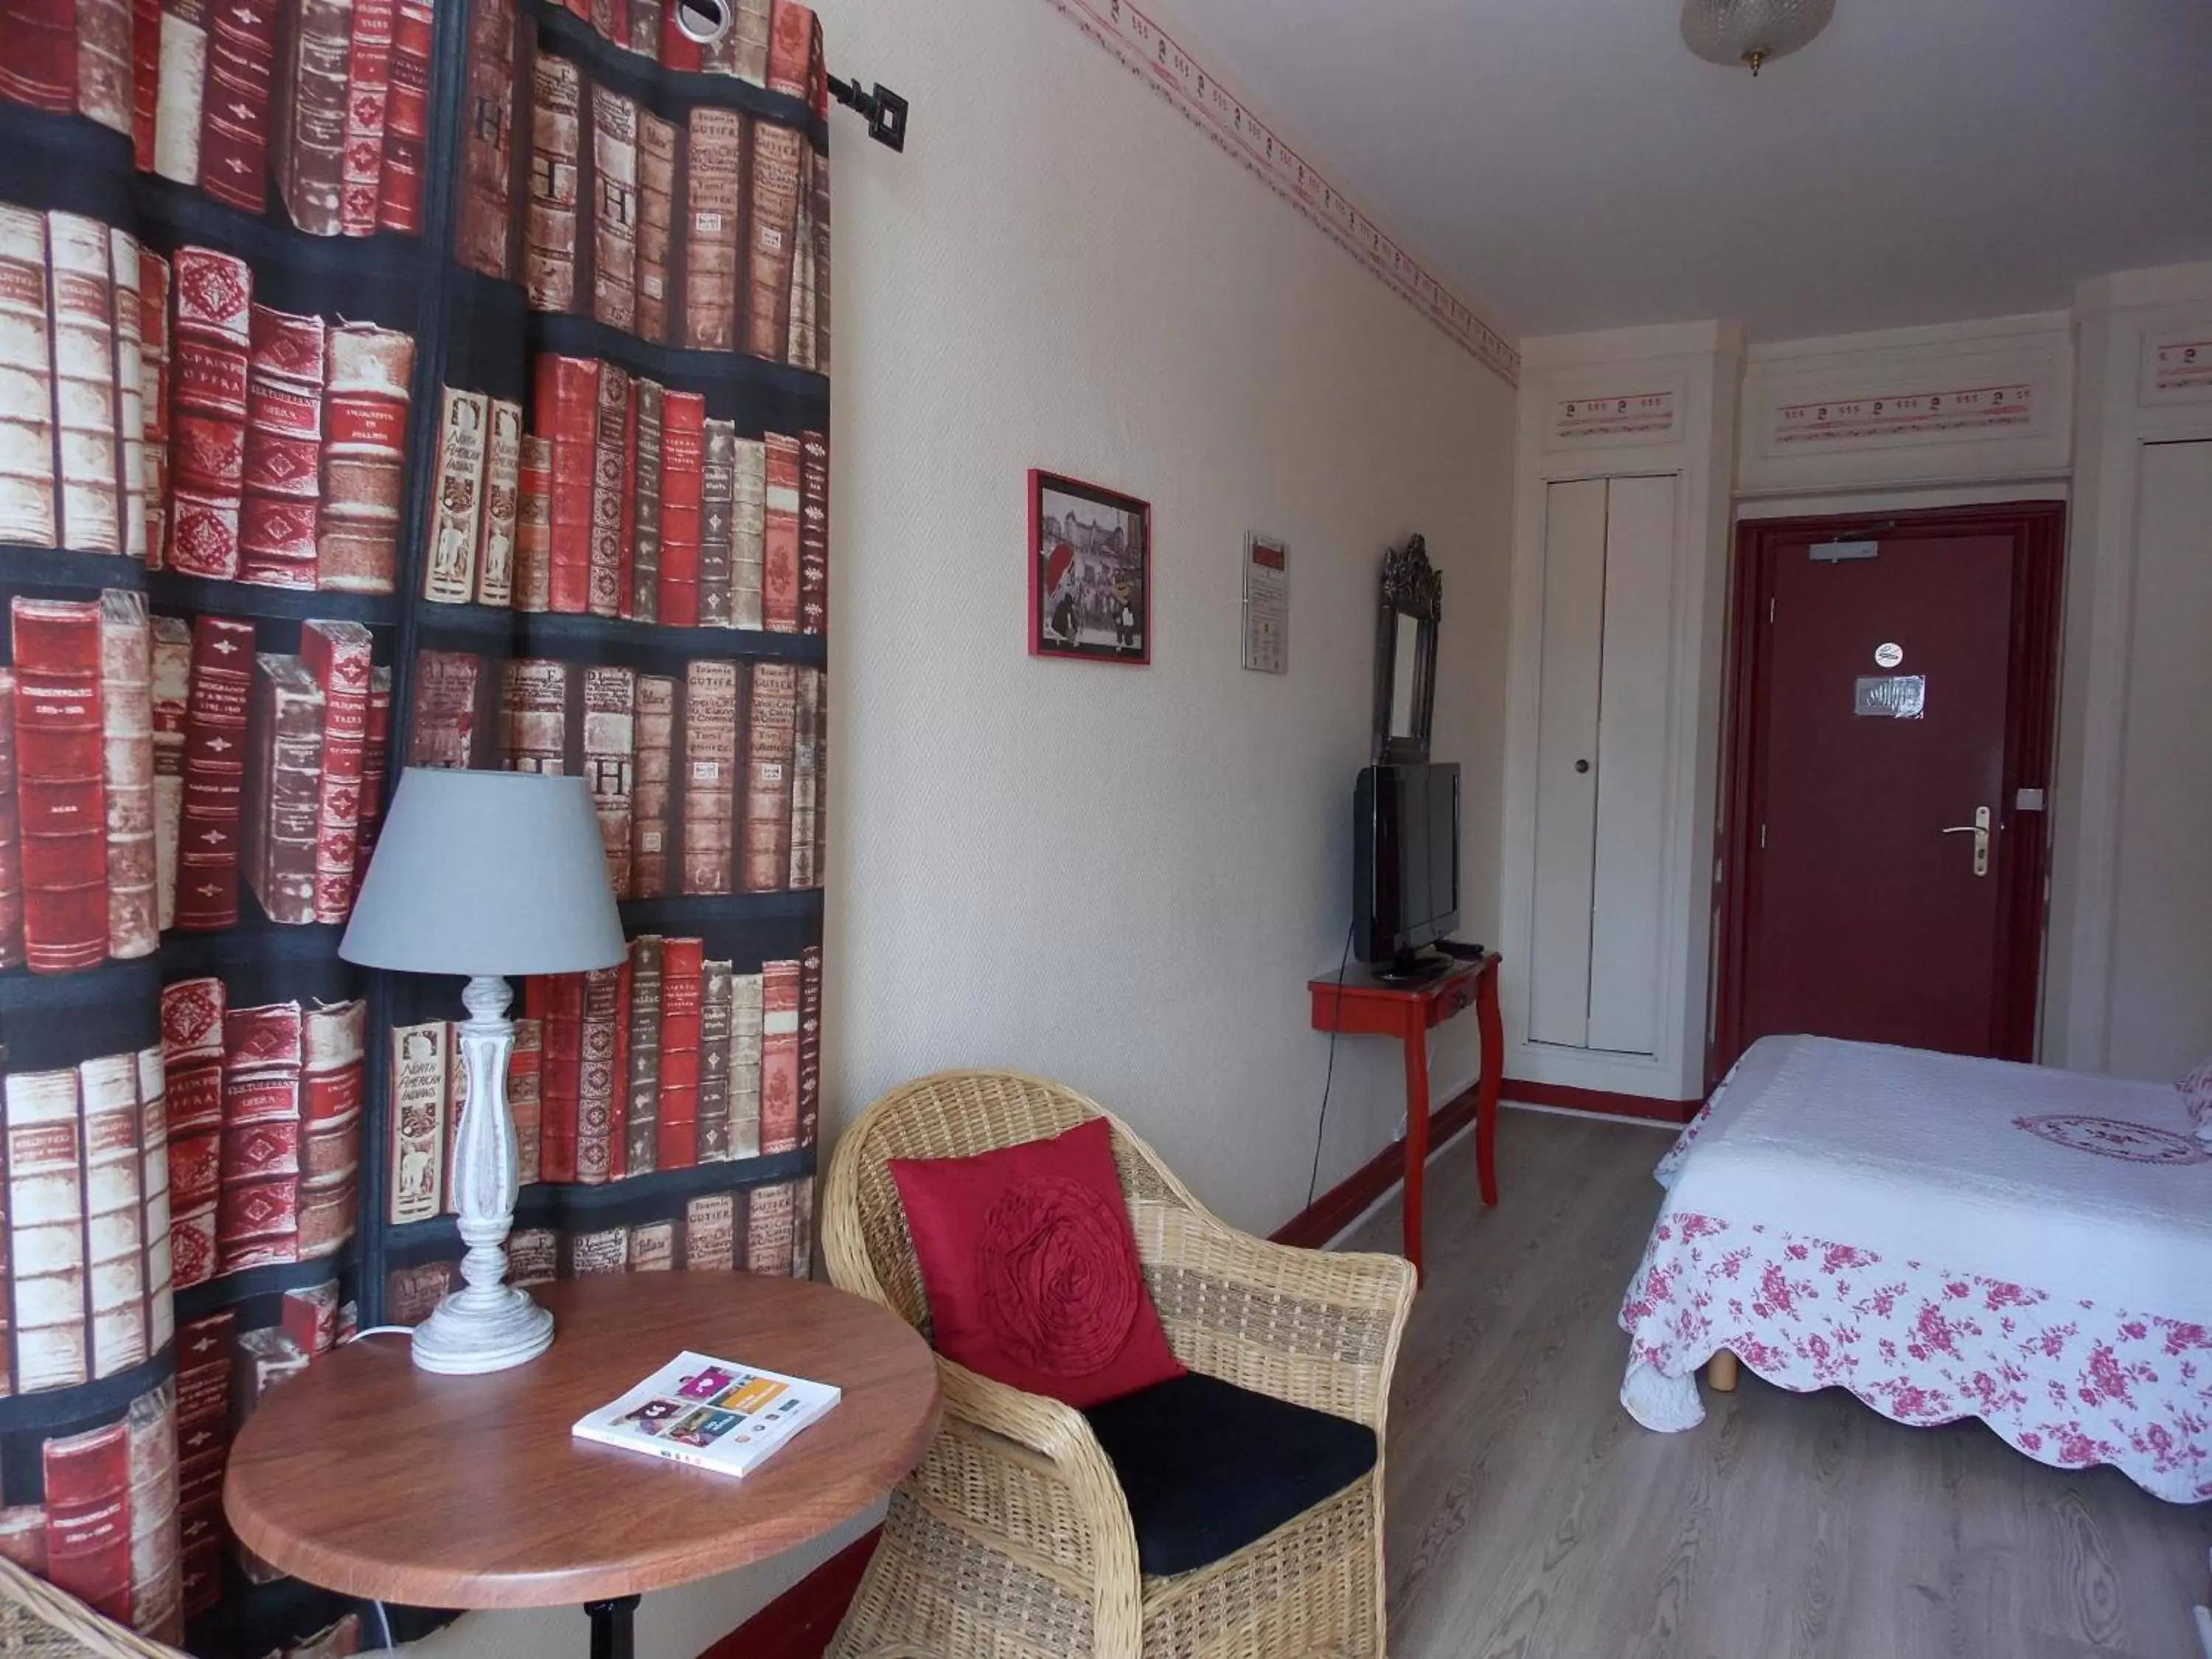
704, 21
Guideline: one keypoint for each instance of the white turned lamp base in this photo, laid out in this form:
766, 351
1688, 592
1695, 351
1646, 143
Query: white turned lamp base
463, 1342
488, 1325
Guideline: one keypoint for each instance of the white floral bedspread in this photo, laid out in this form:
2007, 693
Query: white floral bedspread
1974, 1254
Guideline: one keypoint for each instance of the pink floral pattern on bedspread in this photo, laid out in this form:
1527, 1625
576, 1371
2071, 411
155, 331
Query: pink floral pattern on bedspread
2070, 1383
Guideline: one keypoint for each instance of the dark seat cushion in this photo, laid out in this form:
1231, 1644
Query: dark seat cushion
1209, 1468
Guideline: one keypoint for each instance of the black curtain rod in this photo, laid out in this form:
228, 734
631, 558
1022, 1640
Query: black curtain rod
884, 109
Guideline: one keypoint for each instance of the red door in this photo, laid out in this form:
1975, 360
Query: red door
1897, 684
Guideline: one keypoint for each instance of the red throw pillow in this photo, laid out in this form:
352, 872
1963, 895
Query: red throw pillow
1032, 1268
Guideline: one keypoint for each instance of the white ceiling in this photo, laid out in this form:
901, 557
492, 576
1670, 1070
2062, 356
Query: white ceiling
1568, 162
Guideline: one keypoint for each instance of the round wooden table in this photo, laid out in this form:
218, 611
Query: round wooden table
368, 1477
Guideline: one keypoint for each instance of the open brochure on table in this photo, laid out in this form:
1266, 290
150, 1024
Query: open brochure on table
711, 1414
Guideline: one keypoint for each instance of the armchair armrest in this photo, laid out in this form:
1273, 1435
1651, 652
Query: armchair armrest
1024, 1473
1316, 1328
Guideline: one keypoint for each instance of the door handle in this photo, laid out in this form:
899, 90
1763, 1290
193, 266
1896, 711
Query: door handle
1979, 830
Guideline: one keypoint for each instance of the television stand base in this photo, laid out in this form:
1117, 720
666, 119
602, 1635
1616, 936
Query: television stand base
1412, 969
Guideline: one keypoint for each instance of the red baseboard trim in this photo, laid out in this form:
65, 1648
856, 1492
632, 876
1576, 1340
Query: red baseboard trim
1601, 1101
798, 1624
1337, 1208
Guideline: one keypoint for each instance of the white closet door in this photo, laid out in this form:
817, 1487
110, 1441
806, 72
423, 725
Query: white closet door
2161, 982
1566, 734
1633, 690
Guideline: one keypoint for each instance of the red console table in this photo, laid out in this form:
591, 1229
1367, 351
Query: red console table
1363, 1003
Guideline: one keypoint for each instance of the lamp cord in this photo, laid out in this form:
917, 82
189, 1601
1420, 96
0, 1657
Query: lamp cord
1328, 1077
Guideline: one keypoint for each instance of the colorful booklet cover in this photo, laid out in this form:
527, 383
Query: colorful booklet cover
710, 1414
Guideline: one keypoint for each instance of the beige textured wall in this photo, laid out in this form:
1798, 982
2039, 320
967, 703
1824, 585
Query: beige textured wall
1120, 877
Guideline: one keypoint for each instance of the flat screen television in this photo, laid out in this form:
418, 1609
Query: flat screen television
1405, 839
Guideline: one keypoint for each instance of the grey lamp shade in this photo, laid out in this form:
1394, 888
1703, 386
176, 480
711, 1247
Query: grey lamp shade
486, 873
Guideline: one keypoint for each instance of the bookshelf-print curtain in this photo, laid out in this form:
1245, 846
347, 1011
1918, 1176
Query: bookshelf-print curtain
382, 383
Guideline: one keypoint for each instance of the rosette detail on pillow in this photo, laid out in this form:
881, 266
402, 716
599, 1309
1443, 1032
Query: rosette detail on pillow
1059, 1289
1030, 1268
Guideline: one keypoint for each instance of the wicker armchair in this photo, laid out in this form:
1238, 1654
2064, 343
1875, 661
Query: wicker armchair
1012, 1540
38, 1621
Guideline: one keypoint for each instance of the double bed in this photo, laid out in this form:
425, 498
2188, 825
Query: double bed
1946, 1237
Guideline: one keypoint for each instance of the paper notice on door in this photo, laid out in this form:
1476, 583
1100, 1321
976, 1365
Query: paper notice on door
1891, 696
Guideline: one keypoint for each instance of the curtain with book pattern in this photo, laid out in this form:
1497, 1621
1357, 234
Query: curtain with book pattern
382, 383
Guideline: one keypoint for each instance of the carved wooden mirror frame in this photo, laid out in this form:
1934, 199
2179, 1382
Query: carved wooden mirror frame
1412, 606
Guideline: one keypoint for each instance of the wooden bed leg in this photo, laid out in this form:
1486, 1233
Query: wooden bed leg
1720, 1372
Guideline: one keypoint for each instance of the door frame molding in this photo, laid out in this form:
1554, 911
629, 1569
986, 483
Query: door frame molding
2038, 532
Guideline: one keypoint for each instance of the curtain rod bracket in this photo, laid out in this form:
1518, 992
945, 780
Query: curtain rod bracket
884, 109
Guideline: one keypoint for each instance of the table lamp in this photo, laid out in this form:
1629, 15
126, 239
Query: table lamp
486, 874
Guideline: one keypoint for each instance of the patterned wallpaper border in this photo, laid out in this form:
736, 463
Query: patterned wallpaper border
1148, 51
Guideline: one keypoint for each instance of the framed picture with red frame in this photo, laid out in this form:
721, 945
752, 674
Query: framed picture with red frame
1091, 572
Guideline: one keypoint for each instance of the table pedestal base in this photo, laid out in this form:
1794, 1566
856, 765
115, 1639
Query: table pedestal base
614, 1635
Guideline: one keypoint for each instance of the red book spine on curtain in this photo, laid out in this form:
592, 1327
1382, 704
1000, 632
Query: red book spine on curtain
406, 119
533, 525
87, 1479
215, 774
208, 378
619, 1164
204, 1358
780, 537
717, 502
779, 1096
683, 481
611, 503
369, 92
282, 468
234, 125
790, 42
678, 50
38, 53
595, 1088
258, 1209
11, 852
813, 533
337, 654
567, 395
557, 1002
483, 237
525, 1067
809, 1042
641, 1066
375, 755
633, 507
191, 1064
146, 80
682, 984
60, 794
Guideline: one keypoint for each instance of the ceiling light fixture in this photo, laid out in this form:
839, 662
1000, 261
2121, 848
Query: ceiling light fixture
1751, 32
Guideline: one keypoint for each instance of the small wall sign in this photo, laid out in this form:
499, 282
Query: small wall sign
1888, 654
1893, 697
1266, 604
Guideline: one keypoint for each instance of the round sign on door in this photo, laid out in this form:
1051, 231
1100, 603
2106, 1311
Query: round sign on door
1888, 654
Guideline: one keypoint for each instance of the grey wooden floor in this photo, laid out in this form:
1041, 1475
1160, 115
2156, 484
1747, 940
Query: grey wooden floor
1530, 1517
